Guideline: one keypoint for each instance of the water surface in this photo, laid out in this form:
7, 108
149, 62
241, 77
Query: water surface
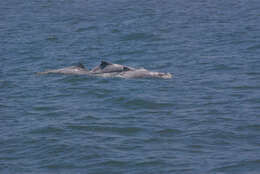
204, 120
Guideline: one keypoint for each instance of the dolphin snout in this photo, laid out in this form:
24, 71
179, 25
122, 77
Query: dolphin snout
165, 75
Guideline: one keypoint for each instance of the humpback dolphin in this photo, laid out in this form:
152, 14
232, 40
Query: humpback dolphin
107, 69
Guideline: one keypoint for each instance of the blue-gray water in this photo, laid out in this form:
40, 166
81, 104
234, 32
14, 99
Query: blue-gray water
204, 120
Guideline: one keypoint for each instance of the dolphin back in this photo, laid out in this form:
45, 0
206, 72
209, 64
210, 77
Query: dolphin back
79, 69
107, 67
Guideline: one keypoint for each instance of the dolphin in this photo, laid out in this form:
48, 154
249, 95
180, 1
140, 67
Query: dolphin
79, 69
107, 69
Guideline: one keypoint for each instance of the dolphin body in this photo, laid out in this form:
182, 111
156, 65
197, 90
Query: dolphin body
107, 69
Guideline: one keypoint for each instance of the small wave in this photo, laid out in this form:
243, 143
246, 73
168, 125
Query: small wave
249, 167
141, 103
252, 127
107, 129
114, 163
47, 130
138, 36
169, 132
150, 163
254, 47
82, 29
52, 38
245, 87
220, 67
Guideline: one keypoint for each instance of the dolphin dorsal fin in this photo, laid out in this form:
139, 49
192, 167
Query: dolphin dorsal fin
80, 65
127, 68
103, 64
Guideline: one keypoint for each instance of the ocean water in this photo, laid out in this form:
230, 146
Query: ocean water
205, 120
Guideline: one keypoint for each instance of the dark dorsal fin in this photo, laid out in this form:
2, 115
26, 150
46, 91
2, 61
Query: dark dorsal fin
103, 64
80, 65
126, 68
